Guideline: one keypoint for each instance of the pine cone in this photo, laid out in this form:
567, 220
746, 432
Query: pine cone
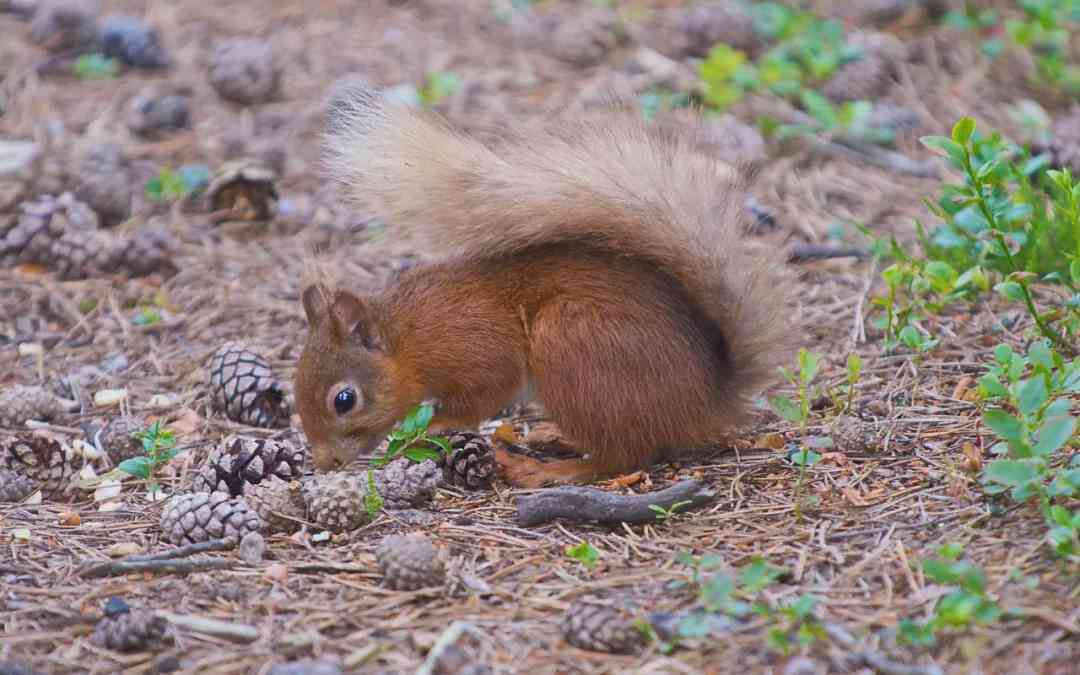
132, 41
599, 628
586, 39
19, 164
43, 460
117, 438
240, 462
131, 632
244, 70
696, 30
868, 77
410, 562
244, 190
849, 435
14, 486
471, 464
62, 234
202, 516
336, 501
65, 25
244, 388
279, 503
403, 484
153, 113
21, 402
1064, 146
102, 178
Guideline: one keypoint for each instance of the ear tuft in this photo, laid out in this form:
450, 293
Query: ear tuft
316, 299
354, 319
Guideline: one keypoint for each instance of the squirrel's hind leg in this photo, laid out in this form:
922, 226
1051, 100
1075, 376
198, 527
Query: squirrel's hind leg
524, 471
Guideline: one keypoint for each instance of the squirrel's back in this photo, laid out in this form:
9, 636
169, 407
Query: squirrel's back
617, 186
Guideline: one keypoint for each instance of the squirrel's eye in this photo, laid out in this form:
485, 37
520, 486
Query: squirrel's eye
345, 400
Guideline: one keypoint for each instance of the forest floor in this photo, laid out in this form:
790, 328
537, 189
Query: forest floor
854, 539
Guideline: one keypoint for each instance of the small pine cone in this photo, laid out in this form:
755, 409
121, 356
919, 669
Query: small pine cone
153, 113
279, 503
202, 516
244, 388
240, 462
1064, 146
65, 25
337, 501
849, 435
404, 484
471, 464
245, 71
14, 486
102, 178
83, 254
131, 632
132, 41
19, 164
599, 628
696, 30
117, 438
410, 562
43, 460
145, 251
20, 402
585, 40
244, 190
42, 221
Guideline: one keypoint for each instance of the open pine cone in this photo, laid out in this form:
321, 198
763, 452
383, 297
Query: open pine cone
337, 501
471, 463
279, 503
202, 516
43, 460
239, 462
20, 403
245, 389
244, 190
131, 632
117, 438
14, 486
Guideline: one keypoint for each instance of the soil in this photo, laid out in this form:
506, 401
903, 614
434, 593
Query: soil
874, 513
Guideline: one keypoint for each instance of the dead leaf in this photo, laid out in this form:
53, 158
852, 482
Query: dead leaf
624, 481
123, 549
70, 519
973, 459
32, 269
837, 458
771, 441
277, 573
962, 387
853, 497
187, 422
505, 433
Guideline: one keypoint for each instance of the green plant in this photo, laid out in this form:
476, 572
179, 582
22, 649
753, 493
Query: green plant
854, 372
170, 186
373, 503
999, 221
965, 605
96, 67
1042, 29
656, 101
851, 120
663, 515
585, 553
809, 364
438, 86
1032, 417
159, 446
789, 624
147, 316
410, 438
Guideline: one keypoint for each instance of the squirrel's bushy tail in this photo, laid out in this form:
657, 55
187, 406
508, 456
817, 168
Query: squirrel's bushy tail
618, 184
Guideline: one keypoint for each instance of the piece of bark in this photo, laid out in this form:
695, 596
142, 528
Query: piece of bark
582, 504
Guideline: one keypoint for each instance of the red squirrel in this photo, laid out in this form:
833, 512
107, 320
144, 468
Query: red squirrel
596, 266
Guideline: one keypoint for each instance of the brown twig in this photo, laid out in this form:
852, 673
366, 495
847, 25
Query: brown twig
117, 567
581, 504
809, 252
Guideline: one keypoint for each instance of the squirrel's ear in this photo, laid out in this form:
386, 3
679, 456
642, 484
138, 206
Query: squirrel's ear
316, 303
354, 319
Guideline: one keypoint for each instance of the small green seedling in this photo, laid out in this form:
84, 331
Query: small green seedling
585, 553
96, 67
809, 364
854, 372
410, 438
159, 446
439, 85
663, 515
966, 605
373, 503
169, 185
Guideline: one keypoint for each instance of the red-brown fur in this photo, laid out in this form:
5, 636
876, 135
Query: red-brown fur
597, 268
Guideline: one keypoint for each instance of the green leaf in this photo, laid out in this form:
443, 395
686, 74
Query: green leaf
443, 443
584, 553
854, 367
758, 575
1032, 395
820, 108
809, 363
1003, 424
1011, 290
424, 413
421, 454
1011, 472
940, 571
944, 146
992, 387
1053, 434
942, 276
136, 466
786, 408
808, 456
962, 130
1040, 354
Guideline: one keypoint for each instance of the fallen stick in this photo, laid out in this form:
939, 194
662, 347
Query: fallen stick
581, 504
184, 551
809, 252
233, 632
117, 567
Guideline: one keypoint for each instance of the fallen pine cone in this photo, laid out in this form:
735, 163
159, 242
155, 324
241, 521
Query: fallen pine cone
14, 486
244, 190
245, 71
339, 501
20, 403
201, 516
132, 631
410, 562
117, 438
41, 459
403, 484
599, 628
244, 388
471, 462
240, 462
279, 503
